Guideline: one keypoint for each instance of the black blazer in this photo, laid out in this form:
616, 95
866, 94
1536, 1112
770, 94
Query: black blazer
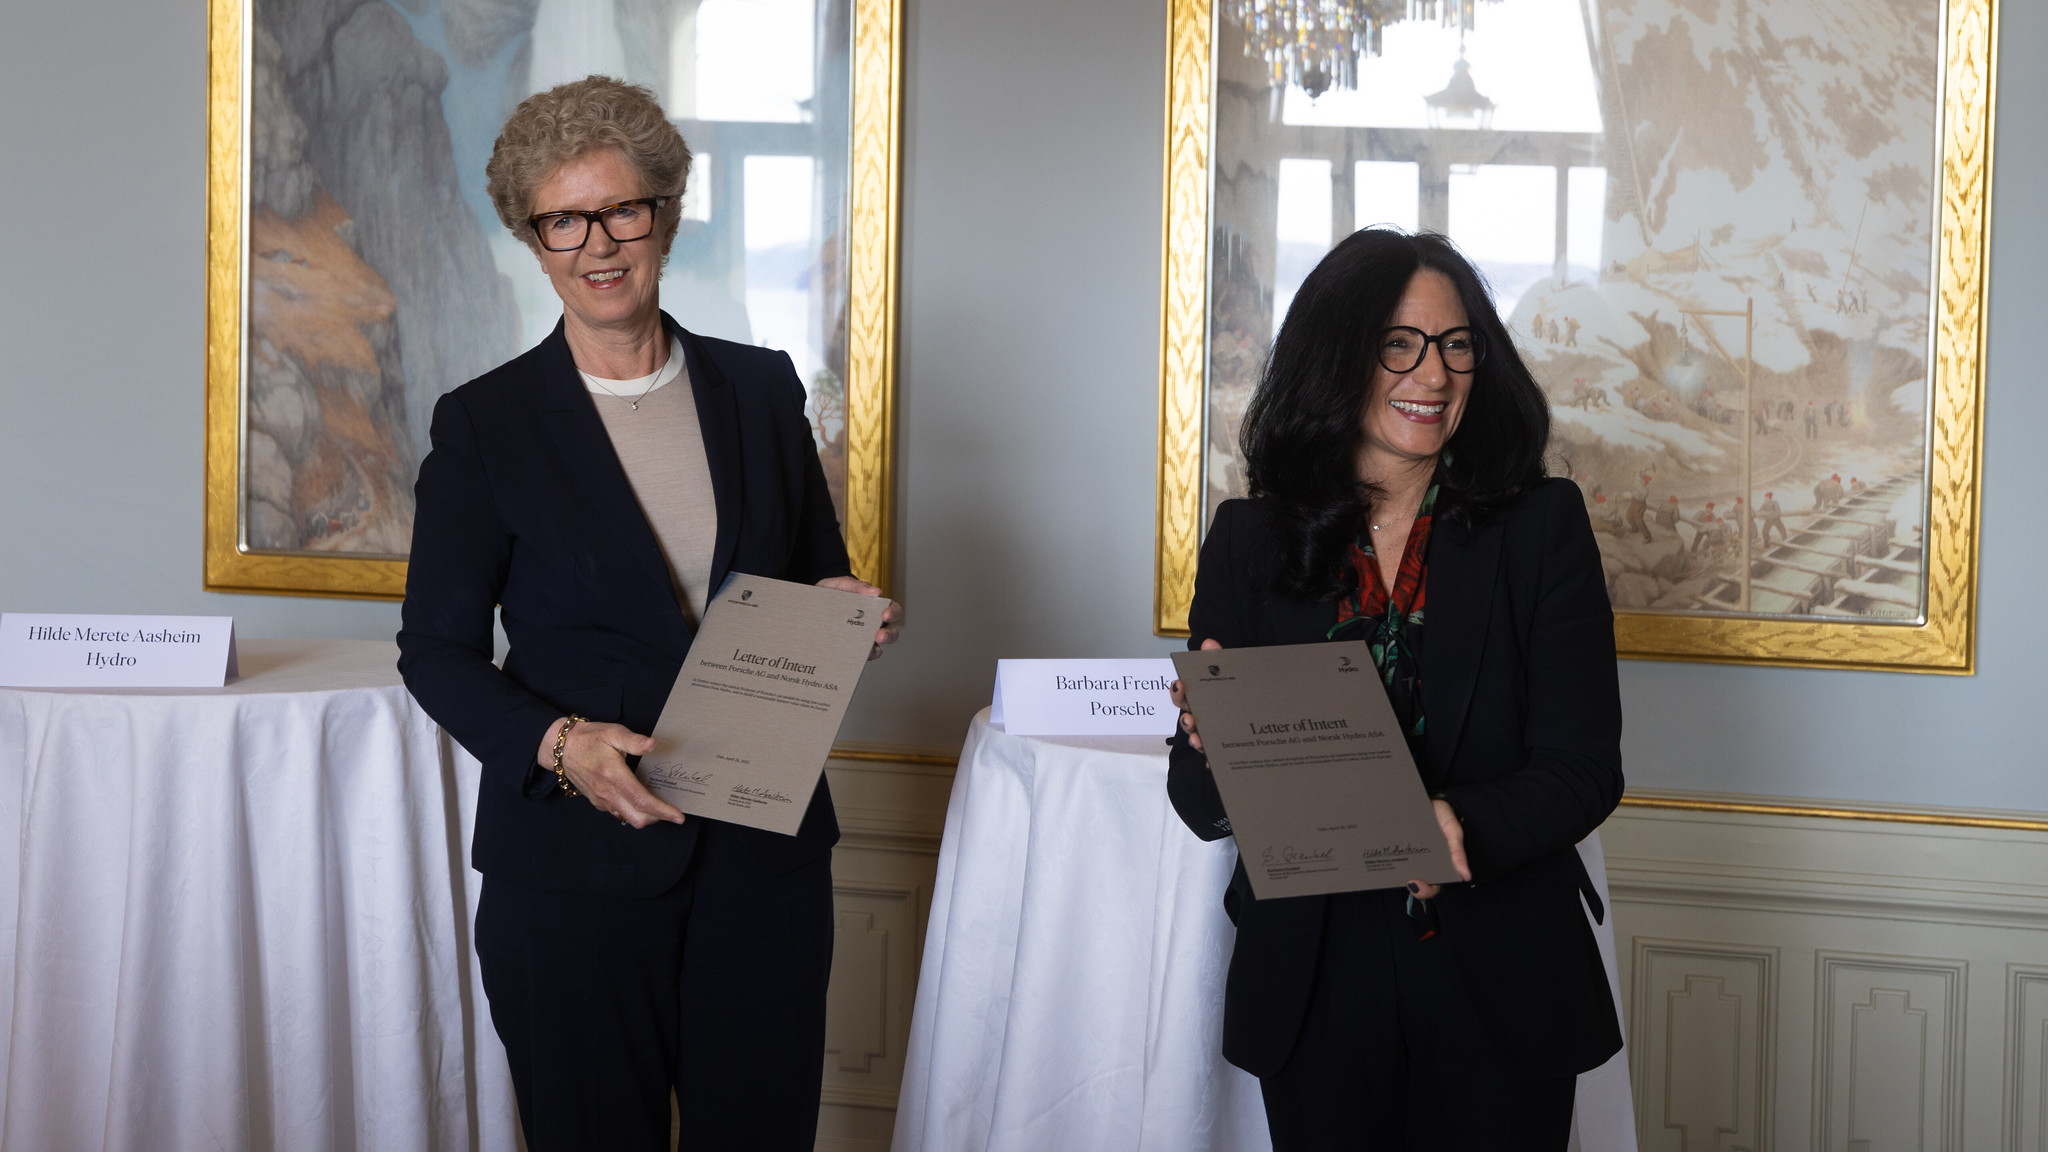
522, 504
1523, 703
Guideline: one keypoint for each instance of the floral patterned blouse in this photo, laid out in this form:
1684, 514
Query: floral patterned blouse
1391, 621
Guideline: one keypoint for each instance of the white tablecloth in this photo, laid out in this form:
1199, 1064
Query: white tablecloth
1071, 997
240, 918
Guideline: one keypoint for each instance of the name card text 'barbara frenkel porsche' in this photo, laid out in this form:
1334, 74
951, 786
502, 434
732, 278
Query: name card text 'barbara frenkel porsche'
53, 650
1084, 697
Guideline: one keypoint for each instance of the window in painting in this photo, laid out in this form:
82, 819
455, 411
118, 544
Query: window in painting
752, 60
1504, 217
1387, 192
779, 243
1303, 229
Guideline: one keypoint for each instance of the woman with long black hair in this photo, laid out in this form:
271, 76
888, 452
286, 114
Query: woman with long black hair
1394, 451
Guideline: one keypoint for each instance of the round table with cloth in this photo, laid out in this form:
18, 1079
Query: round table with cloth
238, 918
1071, 996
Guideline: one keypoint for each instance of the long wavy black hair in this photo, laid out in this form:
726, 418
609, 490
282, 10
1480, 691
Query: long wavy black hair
1304, 427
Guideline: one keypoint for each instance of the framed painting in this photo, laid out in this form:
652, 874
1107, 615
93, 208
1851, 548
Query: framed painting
356, 270
1742, 247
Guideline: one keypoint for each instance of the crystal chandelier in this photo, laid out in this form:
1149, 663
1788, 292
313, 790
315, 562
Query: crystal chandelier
1316, 44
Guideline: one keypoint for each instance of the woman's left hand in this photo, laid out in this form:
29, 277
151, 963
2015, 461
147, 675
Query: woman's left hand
1454, 834
892, 616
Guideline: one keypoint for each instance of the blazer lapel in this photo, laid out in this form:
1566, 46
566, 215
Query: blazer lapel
593, 466
1463, 564
718, 421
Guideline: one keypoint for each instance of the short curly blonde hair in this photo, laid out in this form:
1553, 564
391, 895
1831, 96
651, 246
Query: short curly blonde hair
551, 128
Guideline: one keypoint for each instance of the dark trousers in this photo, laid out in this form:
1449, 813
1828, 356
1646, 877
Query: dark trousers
1391, 1057
715, 988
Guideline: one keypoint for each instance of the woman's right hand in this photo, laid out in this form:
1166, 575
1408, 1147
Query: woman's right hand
1180, 701
595, 760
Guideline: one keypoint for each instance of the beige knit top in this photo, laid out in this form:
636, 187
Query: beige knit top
662, 451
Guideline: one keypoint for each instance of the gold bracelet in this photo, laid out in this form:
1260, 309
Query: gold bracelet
561, 742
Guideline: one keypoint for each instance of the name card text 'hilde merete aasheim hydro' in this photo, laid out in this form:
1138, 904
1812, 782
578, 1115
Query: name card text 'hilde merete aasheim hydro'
56, 650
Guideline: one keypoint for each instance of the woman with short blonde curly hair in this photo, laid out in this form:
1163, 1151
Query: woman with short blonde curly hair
551, 128
590, 495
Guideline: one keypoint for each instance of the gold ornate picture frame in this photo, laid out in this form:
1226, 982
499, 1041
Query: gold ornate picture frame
333, 313
1303, 88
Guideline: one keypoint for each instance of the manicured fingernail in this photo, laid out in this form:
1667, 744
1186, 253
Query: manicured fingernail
1414, 887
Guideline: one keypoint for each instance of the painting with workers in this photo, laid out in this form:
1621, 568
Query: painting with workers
1711, 228
1741, 379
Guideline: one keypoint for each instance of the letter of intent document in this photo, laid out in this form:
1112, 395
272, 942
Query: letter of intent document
758, 703
1316, 778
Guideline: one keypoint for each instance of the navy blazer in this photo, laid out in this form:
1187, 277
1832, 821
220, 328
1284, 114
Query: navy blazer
1523, 702
522, 506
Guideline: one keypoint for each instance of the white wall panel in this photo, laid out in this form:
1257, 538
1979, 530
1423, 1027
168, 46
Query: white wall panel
1858, 942
1701, 1044
890, 815
2026, 1083
1888, 1077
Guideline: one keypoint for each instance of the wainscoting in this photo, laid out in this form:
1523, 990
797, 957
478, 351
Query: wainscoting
1841, 985
892, 808
1791, 982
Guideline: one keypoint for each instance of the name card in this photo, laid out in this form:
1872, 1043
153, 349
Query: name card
56, 651
1084, 697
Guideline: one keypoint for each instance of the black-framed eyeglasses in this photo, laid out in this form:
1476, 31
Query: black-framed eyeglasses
1402, 349
626, 220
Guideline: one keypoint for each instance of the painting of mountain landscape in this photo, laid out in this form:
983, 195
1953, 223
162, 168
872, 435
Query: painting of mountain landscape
379, 276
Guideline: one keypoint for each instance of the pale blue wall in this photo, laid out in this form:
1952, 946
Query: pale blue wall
1031, 279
